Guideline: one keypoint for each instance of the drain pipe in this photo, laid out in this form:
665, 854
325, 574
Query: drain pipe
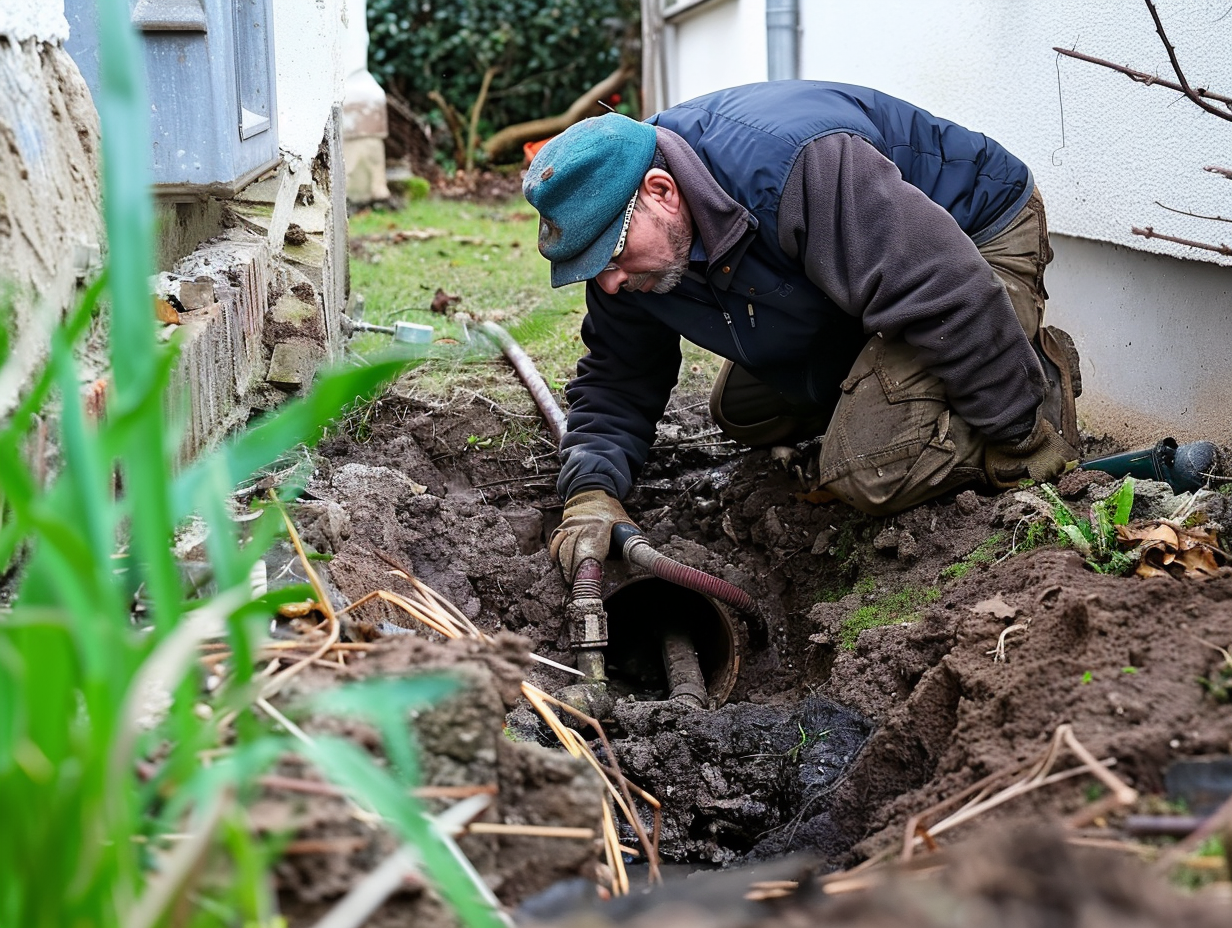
530, 377
635, 549
782, 39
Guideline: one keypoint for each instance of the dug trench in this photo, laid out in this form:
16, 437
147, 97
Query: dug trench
864, 688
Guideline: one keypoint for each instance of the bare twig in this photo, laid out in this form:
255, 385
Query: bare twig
1039, 775
1150, 232
1185, 212
576, 746
331, 638
1141, 77
1176, 67
1216, 169
529, 831
472, 131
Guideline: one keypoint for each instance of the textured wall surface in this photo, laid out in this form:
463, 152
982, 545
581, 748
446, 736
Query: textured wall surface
1103, 149
719, 45
33, 19
308, 51
50, 221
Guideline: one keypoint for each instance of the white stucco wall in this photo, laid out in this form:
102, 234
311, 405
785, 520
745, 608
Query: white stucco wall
989, 64
716, 45
1103, 149
33, 19
309, 38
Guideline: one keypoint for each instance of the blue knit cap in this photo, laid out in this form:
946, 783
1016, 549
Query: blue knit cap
582, 183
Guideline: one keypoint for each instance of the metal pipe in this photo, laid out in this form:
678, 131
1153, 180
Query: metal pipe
587, 620
685, 679
635, 549
782, 40
530, 377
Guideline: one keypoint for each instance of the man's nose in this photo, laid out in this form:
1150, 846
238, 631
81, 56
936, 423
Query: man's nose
610, 279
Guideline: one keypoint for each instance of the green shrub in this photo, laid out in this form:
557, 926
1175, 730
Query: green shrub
547, 54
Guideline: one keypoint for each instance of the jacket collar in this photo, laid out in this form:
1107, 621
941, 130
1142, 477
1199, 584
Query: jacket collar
725, 227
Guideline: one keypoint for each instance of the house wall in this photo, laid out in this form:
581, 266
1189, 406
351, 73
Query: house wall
1107, 153
260, 277
715, 45
50, 217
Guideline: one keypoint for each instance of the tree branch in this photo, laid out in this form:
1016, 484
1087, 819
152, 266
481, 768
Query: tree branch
473, 128
1149, 232
455, 126
1176, 66
1216, 169
512, 136
1185, 212
1141, 77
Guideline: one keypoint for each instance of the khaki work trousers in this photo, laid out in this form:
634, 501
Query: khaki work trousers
892, 441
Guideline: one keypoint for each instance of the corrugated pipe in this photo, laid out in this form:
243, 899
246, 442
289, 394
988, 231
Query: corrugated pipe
632, 544
636, 550
782, 39
530, 376
588, 582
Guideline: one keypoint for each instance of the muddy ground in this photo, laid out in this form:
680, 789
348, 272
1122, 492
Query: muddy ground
831, 737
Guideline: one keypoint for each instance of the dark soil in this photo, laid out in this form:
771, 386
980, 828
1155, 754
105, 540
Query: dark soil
832, 737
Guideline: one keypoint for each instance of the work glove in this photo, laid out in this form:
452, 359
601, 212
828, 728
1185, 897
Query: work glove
1041, 456
586, 531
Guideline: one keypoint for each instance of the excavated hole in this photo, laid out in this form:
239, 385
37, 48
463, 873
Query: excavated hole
640, 612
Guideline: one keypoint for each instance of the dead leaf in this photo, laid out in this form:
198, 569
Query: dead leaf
996, 607
298, 610
442, 301
1173, 550
165, 312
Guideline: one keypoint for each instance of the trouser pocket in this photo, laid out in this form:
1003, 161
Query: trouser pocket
893, 441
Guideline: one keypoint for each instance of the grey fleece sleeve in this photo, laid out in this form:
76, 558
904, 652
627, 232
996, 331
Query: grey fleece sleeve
619, 394
887, 254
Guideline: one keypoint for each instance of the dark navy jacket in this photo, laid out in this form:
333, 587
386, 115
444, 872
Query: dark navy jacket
768, 299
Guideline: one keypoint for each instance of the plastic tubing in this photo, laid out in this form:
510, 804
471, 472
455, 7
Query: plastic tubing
636, 550
530, 377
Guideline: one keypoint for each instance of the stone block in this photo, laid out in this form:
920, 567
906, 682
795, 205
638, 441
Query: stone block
292, 365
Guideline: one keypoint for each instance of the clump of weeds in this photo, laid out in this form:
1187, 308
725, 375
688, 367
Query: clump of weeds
84, 841
1095, 537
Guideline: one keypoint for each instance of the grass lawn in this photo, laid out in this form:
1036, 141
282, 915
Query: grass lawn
485, 254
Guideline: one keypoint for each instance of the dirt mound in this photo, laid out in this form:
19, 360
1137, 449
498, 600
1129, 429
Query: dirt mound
867, 690
1023, 878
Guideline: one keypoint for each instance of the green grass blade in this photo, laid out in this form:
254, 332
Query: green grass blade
386, 704
1123, 502
298, 421
351, 768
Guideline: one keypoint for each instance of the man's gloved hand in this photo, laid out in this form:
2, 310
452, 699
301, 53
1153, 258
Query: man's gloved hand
586, 530
1041, 456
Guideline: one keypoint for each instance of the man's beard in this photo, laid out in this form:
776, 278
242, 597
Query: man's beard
680, 240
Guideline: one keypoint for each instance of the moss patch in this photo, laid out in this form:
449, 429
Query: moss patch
985, 553
896, 608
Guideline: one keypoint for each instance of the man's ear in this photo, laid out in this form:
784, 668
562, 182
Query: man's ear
661, 187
